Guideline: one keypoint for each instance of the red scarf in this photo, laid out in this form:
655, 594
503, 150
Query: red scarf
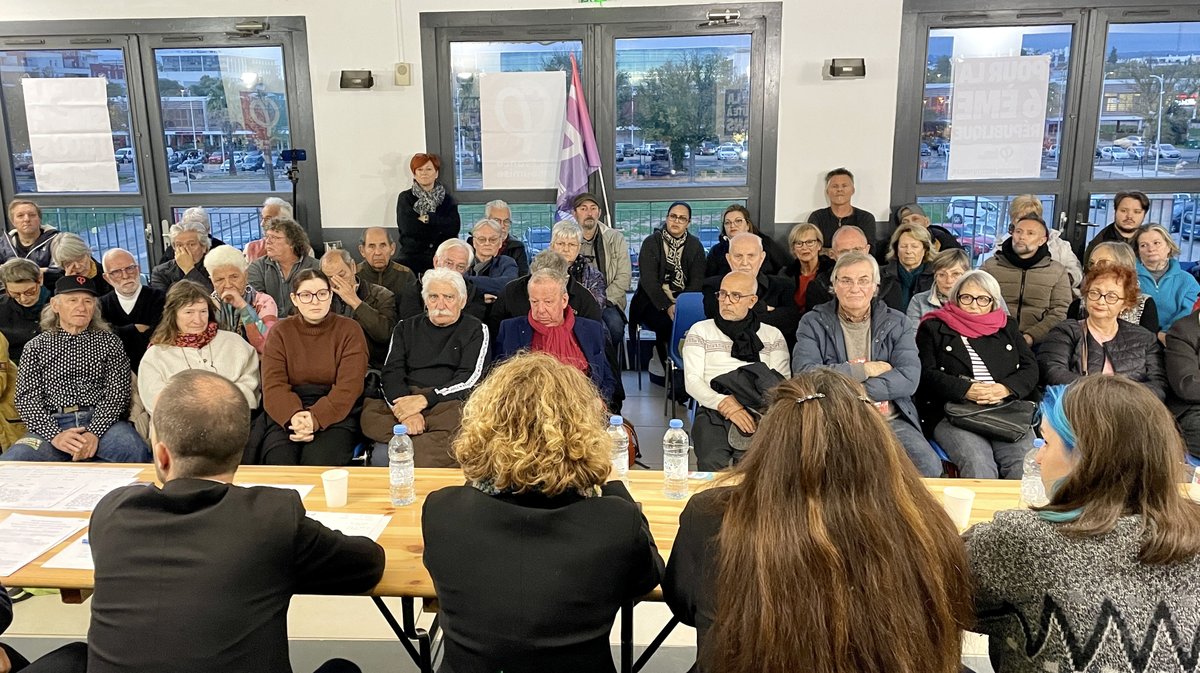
969, 325
197, 340
559, 341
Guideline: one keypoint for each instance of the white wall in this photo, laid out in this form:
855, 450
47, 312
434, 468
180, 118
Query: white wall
365, 138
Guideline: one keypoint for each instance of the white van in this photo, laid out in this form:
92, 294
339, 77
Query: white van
124, 155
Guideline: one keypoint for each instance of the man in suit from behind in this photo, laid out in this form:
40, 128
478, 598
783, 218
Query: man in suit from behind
197, 575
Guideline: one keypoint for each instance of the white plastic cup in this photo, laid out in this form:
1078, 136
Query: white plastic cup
337, 485
958, 501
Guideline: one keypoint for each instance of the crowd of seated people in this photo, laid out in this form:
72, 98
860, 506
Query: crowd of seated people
510, 373
903, 326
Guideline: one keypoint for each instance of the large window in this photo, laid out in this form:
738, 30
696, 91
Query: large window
1120, 114
203, 125
680, 110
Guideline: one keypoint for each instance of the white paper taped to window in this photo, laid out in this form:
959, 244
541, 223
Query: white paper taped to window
70, 134
998, 117
521, 128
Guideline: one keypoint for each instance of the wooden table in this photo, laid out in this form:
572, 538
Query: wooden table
405, 575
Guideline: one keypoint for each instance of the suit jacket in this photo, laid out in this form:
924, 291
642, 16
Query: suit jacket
516, 335
147, 310
196, 576
777, 292
528, 583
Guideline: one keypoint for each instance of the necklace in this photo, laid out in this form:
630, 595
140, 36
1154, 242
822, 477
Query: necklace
205, 359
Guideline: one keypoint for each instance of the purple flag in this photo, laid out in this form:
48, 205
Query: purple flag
579, 157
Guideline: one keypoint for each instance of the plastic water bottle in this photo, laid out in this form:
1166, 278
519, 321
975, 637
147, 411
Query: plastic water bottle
675, 461
1033, 491
620, 448
400, 468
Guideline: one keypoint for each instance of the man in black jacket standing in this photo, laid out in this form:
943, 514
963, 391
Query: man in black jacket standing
197, 575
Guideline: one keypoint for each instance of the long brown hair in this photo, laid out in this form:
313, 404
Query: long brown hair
834, 557
1128, 460
182, 294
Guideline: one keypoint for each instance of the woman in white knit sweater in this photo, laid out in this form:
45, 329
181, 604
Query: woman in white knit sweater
188, 338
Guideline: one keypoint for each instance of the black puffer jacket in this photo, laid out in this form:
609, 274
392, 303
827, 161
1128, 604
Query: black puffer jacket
1134, 352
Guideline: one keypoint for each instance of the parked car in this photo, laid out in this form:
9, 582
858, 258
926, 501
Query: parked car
968, 216
1052, 151
191, 166
124, 155
708, 148
1128, 141
661, 163
1118, 153
1185, 215
925, 150
1165, 151
627, 149
728, 153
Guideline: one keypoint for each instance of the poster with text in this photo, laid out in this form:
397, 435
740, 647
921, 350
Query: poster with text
70, 134
521, 125
998, 117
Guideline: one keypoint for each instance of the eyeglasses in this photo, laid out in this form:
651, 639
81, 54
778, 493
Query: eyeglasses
862, 248
131, 270
1108, 297
678, 218
30, 293
731, 297
982, 301
863, 282
813, 243
505, 222
275, 238
490, 240
308, 297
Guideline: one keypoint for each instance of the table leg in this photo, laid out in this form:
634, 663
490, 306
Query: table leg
421, 654
627, 637
655, 644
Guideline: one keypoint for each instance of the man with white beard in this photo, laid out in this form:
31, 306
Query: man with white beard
434, 361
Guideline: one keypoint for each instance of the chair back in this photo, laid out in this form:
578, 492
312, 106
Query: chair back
689, 310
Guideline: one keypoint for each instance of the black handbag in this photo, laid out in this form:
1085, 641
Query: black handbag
1007, 421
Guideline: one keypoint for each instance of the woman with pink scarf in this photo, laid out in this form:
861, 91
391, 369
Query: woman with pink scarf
972, 351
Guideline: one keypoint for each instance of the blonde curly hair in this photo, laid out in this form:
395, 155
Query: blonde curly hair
535, 424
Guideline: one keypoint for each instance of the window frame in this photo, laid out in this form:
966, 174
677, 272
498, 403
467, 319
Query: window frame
598, 32
138, 38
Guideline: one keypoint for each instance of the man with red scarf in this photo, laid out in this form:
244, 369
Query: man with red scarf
552, 327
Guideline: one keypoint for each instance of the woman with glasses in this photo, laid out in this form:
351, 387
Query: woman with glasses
806, 242
736, 220
1173, 290
907, 272
1144, 312
491, 271
312, 379
188, 337
1102, 343
22, 303
672, 262
240, 308
947, 266
972, 351
1105, 576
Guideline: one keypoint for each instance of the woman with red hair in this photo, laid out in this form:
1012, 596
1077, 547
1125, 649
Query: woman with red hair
426, 215
1103, 343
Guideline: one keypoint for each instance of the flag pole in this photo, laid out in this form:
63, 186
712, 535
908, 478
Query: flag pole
612, 215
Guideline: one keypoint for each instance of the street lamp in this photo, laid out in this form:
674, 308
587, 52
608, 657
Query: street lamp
1158, 133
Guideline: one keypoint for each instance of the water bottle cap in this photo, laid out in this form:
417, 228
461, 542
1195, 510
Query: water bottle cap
1039, 443
675, 424
400, 429
615, 420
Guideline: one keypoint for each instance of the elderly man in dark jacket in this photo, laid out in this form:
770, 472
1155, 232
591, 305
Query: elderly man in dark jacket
776, 305
373, 307
858, 335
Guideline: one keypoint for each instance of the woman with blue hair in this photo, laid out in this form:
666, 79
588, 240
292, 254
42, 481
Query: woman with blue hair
1104, 576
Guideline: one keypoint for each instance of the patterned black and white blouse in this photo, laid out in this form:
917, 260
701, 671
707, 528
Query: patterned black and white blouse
61, 370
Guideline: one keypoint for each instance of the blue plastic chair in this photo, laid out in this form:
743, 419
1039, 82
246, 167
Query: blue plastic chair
1193, 461
689, 310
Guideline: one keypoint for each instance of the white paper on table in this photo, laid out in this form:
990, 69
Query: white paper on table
60, 488
70, 134
25, 537
521, 128
366, 525
302, 489
75, 556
